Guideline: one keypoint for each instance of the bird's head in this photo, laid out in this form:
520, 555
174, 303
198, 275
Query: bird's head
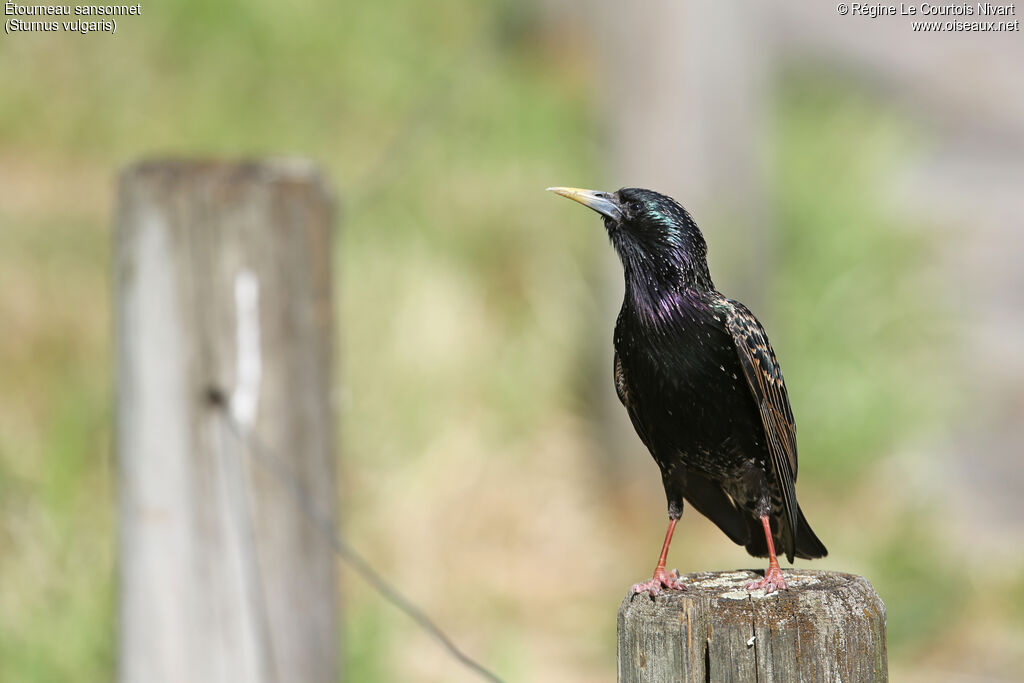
652, 233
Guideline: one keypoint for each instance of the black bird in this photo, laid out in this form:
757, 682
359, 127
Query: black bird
702, 387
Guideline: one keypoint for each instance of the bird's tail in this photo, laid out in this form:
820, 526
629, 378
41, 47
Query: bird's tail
807, 545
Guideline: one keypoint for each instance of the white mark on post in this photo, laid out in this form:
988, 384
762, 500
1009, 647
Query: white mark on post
750, 642
246, 395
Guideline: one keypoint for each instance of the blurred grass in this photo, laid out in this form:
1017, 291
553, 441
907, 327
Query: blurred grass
467, 302
866, 342
860, 318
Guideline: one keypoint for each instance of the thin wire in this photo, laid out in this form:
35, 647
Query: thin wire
426, 109
240, 503
303, 500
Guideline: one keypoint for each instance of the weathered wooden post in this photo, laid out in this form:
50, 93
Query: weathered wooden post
827, 627
223, 288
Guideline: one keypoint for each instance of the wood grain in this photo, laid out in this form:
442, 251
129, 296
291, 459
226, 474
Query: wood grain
222, 576
828, 626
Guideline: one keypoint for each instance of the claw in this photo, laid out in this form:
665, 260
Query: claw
772, 581
660, 581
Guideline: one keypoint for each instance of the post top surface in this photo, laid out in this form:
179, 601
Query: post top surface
293, 169
726, 586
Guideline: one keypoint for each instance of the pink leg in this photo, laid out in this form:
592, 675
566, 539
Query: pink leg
772, 580
662, 579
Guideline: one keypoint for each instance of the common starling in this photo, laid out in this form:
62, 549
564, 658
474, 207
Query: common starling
702, 387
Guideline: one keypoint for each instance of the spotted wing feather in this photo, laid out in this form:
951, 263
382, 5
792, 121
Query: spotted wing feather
622, 391
769, 389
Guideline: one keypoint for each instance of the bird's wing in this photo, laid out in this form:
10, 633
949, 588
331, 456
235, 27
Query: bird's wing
620, 382
622, 390
769, 388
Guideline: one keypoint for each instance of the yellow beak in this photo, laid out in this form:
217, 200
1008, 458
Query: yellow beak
605, 203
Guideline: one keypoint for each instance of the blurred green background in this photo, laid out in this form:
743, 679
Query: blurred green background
469, 305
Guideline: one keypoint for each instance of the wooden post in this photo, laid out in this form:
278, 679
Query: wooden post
827, 627
223, 288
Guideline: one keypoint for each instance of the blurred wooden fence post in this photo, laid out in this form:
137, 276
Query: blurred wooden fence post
223, 286
684, 90
827, 627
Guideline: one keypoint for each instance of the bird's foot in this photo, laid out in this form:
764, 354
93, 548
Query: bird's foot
771, 582
661, 580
